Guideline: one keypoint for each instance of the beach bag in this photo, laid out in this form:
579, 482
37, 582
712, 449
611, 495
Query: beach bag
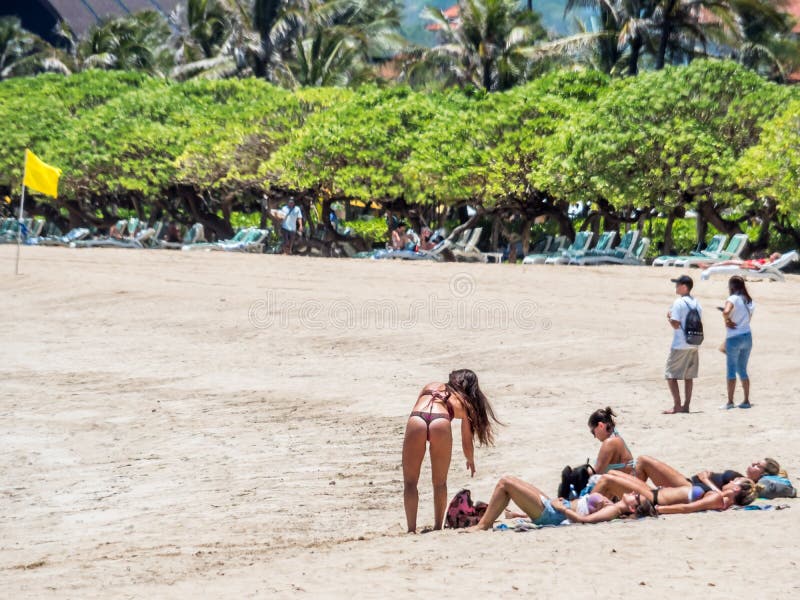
693, 326
775, 486
574, 480
462, 512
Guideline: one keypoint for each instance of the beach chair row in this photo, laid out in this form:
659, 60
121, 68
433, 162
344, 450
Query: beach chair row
631, 250
131, 233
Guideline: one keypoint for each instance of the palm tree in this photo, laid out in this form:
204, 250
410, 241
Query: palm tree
24, 53
136, 42
491, 46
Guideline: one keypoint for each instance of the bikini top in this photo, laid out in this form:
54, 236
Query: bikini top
620, 466
442, 397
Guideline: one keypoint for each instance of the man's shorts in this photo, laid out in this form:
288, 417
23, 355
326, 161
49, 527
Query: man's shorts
288, 236
682, 364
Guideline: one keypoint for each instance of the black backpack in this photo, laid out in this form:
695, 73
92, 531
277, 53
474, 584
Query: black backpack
574, 480
693, 326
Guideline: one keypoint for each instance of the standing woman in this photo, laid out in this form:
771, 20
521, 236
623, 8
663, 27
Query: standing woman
737, 313
437, 405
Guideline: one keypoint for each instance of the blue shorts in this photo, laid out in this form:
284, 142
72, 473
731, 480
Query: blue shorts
551, 516
737, 351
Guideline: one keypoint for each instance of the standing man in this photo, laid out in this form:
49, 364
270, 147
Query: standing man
683, 361
291, 226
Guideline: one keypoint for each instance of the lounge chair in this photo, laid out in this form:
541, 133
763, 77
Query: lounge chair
63, 240
622, 252
733, 251
603, 246
470, 250
635, 258
583, 240
772, 271
557, 245
253, 241
710, 252
194, 235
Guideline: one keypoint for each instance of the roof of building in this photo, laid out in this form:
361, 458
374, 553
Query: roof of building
82, 14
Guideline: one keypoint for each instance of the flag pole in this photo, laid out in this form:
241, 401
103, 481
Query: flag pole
19, 228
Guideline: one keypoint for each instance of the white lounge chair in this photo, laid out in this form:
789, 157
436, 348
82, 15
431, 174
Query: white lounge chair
733, 251
470, 250
711, 252
583, 240
772, 271
194, 235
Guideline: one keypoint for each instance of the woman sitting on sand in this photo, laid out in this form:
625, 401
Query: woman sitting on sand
614, 453
437, 405
663, 475
705, 495
591, 508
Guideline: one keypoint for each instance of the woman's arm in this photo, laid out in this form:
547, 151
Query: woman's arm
703, 476
467, 445
726, 315
607, 513
711, 501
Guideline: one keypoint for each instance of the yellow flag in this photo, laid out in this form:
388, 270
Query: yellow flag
40, 176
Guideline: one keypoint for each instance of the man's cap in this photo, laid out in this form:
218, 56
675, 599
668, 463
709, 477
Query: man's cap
684, 280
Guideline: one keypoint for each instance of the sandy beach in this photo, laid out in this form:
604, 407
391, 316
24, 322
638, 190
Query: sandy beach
182, 425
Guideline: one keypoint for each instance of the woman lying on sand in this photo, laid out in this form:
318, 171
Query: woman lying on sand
688, 499
663, 475
437, 405
592, 508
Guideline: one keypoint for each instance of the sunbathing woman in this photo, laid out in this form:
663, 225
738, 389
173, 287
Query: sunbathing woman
614, 453
663, 475
591, 508
705, 495
437, 405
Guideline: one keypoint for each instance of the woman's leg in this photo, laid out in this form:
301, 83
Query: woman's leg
413, 453
660, 473
741, 366
733, 352
524, 495
622, 481
441, 449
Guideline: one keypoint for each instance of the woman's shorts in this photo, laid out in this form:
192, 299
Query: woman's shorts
551, 516
737, 355
682, 364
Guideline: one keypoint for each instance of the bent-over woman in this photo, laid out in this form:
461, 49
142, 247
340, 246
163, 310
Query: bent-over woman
429, 426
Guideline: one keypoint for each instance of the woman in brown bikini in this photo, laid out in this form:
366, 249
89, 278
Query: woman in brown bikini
437, 405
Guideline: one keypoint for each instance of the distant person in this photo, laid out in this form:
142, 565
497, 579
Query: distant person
173, 234
429, 427
292, 225
683, 361
114, 233
737, 313
400, 239
425, 242
750, 263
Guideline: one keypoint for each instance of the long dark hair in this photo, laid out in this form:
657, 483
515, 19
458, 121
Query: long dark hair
736, 286
479, 411
603, 415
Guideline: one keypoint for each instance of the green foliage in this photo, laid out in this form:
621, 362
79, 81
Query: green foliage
374, 231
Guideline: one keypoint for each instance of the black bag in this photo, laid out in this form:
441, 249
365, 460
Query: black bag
574, 480
693, 326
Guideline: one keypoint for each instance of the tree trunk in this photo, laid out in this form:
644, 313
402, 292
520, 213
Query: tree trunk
495, 241
633, 60
526, 236
702, 230
668, 234
666, 31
